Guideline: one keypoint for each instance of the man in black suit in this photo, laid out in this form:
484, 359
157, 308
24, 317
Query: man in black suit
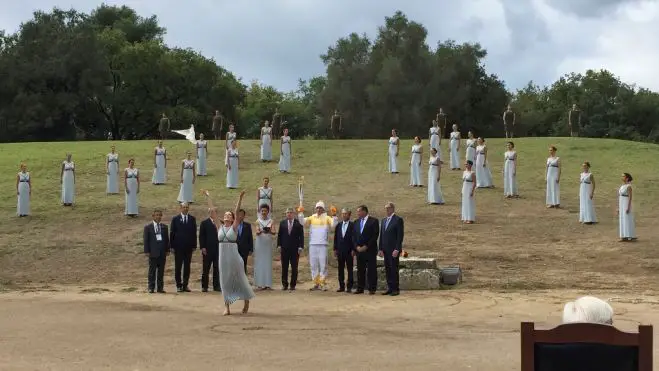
344, 250
209, 246
156, 248
391, 245
245, 238
290, 242
366, 241
183, 237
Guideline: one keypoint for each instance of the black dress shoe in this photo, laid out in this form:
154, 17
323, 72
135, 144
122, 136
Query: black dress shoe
204, 289
292, 289
161, 291
386, 293
179, 289
371, 292
348, 291
187, 289
218, 289
341, 290
284, 288
150, 291
359, 292
394, 293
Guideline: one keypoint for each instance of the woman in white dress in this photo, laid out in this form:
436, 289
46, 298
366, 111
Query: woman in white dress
263, 249
483, 173
553, 178
435, 137
626, 223
229, 137
285, 153
455, 148
510, 171
394, 147
470, 143
233, 163
264, 196
202, 154
112, 171
435, 196
586, 193
132, 187
233, 280
468, 190
68, 181
159, 164
266, 142
188, 179
415, 163
23, 191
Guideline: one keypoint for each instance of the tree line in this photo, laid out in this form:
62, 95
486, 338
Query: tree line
68, 75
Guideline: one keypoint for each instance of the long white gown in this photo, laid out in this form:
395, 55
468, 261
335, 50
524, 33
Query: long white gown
227, 143
285, 154
553, 188
266, 144
455, 154
586, 204
468, 202
510, 173
68, 183
435, 195
160, 172
436, 140
232, 173
132, 206
233, 280
470, 152
202, 151
626, 225
483, 173
393, 159
415, 166
23, 202
263, 255
112, 186
265, 197
186, 192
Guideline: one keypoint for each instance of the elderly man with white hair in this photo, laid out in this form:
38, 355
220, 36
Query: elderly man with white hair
588, 309
320, 225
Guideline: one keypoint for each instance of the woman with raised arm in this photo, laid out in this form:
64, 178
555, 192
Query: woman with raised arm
415, 163
23, 191
285, 153
266, 142
202, 154
626, 223
233, 280
232, 163
68, 181
159, 164
586, 193
553, 178
394, 146
132, 187
112, 171
188, 179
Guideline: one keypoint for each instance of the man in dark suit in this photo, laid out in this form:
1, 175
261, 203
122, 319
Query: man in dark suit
209, 246
391, 245
344, 250
366, 243
245, 238
156, 248
290, 242
183, 237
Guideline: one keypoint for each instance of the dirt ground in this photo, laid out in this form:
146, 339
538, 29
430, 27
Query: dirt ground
84, 329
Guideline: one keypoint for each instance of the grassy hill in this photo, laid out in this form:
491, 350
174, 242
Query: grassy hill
516, 244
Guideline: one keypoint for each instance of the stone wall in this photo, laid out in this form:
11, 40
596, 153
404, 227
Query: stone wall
414, 273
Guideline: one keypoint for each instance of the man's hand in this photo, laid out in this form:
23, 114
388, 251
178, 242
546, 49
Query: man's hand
395, 254
380, 253
204, 251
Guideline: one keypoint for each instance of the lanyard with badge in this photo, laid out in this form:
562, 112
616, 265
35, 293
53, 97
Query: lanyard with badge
158, 235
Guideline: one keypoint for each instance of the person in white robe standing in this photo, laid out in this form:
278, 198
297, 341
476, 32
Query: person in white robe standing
455, 148
132, 188
394, 147
112, 172
586, 194
627, 227
483, 172
202, 155
23, 191
435, 196
468, 191
470, 144
285, 153
68, 181
159, 164
553, 178
266, 142
415, 163
263, 246
510, 171
232, 164
187, 181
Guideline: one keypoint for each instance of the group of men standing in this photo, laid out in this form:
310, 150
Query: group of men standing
362, 239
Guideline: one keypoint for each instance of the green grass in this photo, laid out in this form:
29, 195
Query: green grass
516, 244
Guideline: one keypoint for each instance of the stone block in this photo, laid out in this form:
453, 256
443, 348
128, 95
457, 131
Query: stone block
409, 279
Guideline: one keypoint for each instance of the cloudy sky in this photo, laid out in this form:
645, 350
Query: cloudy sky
277, 42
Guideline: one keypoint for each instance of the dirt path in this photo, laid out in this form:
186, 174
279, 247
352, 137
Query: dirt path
76, 329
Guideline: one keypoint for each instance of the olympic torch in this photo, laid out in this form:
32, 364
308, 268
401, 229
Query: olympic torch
300, 194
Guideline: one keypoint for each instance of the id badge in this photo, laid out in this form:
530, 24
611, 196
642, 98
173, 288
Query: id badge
158, 237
